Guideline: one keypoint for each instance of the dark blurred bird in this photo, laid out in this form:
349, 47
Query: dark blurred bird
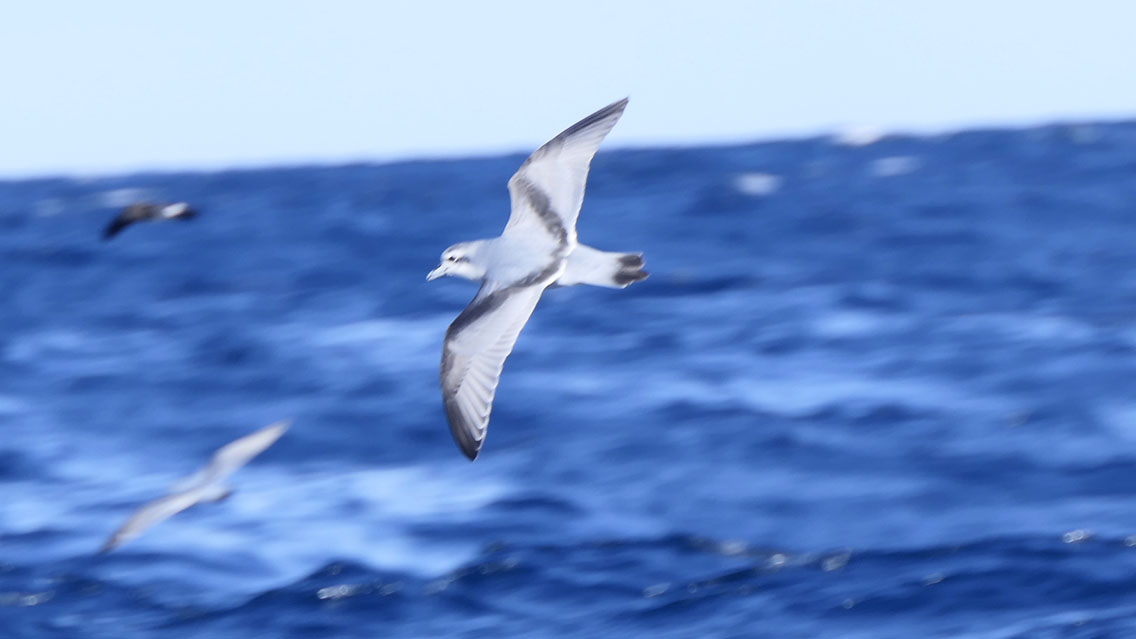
145, 211
537, 250
205, 485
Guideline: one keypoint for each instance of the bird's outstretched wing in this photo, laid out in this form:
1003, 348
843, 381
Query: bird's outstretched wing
548, 189
476, 346
153, 512
116, 225
237, 453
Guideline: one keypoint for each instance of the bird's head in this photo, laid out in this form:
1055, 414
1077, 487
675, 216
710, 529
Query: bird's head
459, 261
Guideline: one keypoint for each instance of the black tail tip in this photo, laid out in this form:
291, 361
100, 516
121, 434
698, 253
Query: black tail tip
632, 260
630, 269
627, 277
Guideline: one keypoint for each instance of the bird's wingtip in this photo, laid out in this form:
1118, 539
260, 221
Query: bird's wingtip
618, 105
113, 229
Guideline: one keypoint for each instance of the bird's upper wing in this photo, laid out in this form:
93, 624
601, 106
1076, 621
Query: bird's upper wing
548, 189
476, 346
235, 454
153, 512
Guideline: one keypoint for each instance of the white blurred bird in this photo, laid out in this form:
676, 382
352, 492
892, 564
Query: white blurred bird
537, 249
206, 484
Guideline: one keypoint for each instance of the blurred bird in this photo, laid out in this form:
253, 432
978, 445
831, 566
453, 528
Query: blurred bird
537, 249
144, 211
204, 485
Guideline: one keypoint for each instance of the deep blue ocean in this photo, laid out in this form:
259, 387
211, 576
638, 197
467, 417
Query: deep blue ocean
870, 390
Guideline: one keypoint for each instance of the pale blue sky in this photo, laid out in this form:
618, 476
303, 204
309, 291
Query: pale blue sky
108, 86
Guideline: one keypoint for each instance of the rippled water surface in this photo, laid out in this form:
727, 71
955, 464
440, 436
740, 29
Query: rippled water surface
868, 391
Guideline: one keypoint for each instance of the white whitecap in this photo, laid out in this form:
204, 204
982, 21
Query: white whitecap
1118, 419
1084, 134
80, 351
12, 406
811, 391
49, 207
380, 331
893, 166
1025, 327
758, 184
850, 324
799, 390
858, 135
117, 198
299, 521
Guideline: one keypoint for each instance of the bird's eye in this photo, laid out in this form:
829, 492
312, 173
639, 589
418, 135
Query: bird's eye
451, 258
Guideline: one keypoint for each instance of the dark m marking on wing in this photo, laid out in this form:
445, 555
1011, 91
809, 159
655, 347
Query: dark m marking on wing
542, 206
477, 310
540, 276
492, 302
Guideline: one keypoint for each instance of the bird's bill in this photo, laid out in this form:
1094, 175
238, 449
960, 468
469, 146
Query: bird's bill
436, 273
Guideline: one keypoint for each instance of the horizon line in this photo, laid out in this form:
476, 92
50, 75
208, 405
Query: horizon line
840, 135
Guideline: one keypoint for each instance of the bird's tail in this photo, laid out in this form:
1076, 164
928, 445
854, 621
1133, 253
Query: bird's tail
630, 269
587, 265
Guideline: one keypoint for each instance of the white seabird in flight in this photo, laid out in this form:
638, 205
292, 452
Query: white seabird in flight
537, 249
206, 484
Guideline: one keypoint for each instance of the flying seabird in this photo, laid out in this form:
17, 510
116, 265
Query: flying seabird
147, 211
536, 250
204, 485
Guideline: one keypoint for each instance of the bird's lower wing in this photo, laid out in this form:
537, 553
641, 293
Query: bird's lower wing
150, 514
476, 346
115, 227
